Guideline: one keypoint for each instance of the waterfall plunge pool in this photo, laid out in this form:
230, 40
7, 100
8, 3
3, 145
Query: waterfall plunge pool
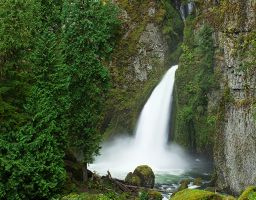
149, 146
119, 157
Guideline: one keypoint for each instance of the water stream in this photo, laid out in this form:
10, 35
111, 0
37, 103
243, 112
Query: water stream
150, 144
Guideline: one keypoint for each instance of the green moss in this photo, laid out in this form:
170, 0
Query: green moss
229, 198
133, 179
248, 194
144, 169
183, 186
88, 196
196, 195
198, 181
146, 176
84, 196
195, 78
154, 195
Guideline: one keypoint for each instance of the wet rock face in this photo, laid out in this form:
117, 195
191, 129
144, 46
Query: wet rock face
151, 49
240, 148
235, 147
236, 161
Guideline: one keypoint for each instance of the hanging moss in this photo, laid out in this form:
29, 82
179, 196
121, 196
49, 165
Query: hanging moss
195, 78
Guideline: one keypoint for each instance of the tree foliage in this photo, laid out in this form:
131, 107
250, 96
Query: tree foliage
87, 40
18, 21
195, 78
56, 65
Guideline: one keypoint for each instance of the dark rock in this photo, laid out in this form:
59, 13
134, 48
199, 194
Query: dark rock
154, 195
211, 189
183, 185
133, 179
146, 176
198, 181
142, 176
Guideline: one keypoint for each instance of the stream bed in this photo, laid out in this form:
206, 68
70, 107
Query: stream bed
168, 182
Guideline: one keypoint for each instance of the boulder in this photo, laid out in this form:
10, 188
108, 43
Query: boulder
196, 195
150, 195
146, 176
154, 195
133, 179
183, 185
198, 182
142, 176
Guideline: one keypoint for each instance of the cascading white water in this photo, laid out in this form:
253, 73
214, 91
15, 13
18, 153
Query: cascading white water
149, 146
153, 126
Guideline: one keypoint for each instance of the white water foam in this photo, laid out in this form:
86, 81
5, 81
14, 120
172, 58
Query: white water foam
149, 146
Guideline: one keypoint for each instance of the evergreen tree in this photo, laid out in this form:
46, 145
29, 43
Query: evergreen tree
88, 28
31, 162
35, 168
18, 21
65, 101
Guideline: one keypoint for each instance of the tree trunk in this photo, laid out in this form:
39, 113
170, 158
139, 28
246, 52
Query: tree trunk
85, 174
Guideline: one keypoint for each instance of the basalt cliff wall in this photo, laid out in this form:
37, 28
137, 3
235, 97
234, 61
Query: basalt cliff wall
218, 119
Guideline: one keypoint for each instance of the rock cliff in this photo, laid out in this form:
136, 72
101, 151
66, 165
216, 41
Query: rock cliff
150, 34
230, 104
235, 145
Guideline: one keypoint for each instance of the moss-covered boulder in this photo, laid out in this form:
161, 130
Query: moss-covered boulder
146, 175
149, 195
154, 195
198, 181
183, 185
189, 194
133, 179
142, 176
248, 194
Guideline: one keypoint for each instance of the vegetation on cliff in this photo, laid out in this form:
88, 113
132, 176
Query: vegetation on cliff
194, 125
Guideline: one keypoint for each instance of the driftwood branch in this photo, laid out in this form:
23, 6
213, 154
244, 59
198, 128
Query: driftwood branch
122, 185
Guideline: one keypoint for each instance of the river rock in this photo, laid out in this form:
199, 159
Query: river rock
154, 195
133, 179
142, 176
198, 181
189, 194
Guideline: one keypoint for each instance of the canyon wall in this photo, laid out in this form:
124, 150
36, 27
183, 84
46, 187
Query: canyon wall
235, 142
228, 108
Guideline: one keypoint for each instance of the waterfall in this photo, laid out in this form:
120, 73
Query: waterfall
153, 125
149, 145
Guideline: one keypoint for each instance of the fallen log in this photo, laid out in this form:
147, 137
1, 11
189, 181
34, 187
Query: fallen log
122, 185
